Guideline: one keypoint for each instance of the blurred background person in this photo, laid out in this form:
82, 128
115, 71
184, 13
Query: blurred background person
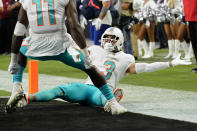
190, 10
8, 21
183, 36
1, 11
98, 11
160, 32
176, 11
148, 27
136, 26
125, 20
170, 27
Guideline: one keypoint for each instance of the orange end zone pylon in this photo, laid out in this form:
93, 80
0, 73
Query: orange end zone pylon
33, 76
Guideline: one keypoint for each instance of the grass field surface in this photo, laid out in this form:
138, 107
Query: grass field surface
179, 78
4, 93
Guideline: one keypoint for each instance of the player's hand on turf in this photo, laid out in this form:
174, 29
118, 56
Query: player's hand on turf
13, 68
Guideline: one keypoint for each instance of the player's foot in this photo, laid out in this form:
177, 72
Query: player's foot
16, 95
147, 56
176, 55
118, 94
23, 102
114, 107
168, 56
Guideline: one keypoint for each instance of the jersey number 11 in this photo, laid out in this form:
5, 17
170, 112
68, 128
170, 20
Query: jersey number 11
51, 12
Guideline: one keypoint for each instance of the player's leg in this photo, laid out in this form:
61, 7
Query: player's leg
142, 42
180, 36
22, 61
86, 94
46, 95
41, 96
170, 40
135, 32
127, 44
83, 94
190, 52
176, 42
17, 90
74, 92
150, 32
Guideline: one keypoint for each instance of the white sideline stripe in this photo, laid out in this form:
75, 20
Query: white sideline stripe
173, 104
4, 96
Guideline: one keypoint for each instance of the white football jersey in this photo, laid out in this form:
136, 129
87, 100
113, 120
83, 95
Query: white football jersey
112, 65
45, 16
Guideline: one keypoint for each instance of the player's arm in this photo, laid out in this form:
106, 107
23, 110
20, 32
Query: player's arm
145, 67
13, 6
76, 31
19, 32
105, 7
106, 4
75, 28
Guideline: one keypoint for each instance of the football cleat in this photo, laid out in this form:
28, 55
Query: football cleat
118, 94
11, 104
114, 107
23, 102
17, 94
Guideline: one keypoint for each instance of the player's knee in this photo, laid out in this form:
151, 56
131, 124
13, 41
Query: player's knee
59, 91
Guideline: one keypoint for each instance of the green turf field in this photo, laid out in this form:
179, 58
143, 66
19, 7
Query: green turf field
179, 78
4, 93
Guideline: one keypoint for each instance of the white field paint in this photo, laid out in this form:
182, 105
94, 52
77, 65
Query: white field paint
165, 103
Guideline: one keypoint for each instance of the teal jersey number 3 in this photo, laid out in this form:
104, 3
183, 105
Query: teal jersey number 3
51, 12
110, 69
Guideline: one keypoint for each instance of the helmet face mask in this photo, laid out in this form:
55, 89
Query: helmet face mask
109, 42
112, 39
